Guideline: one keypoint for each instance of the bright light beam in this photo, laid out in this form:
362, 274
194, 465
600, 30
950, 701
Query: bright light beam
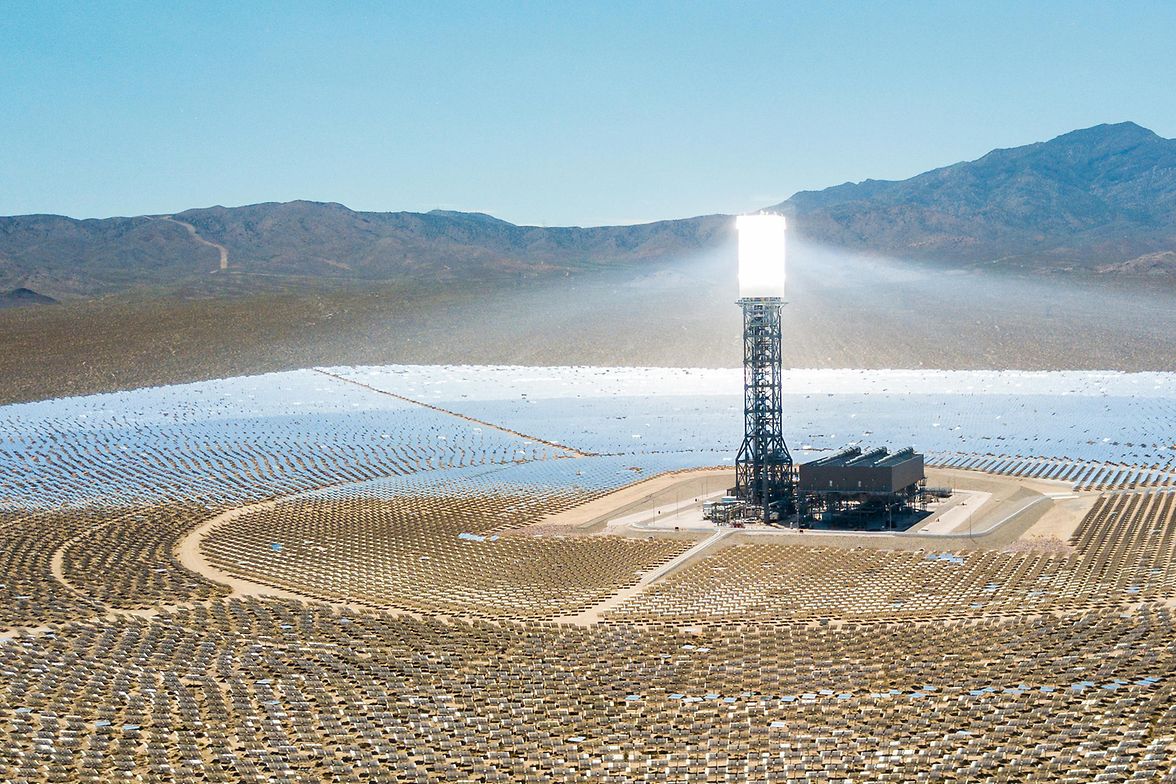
761, 255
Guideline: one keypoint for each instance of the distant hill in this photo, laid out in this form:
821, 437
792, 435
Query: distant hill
20, 297
321, 241
1102, 198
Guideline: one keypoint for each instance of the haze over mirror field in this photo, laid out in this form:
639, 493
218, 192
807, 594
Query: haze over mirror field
386, 394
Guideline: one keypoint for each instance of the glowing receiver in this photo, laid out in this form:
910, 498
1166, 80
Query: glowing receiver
761, 255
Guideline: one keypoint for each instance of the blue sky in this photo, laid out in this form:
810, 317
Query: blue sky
546, 113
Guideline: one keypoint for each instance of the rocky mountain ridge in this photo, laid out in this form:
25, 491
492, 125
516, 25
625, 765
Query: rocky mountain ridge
328, 242
1102, 198
1099, 201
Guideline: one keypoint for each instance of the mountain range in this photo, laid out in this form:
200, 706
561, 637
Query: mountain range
1103, 197
1100, 200
324, 242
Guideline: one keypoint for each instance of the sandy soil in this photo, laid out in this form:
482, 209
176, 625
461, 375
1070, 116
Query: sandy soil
190, 556
1054, 529
954, 513
1004, 512
243, 322
594, 613
659, 491
583, 519
1013, 514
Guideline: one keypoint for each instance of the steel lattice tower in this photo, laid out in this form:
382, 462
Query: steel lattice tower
763, 466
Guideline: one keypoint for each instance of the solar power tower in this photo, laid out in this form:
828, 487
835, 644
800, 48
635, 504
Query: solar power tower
763, 465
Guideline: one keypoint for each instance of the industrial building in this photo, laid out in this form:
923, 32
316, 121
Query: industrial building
856, 488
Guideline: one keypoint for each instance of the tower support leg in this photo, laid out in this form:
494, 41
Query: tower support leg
763, 466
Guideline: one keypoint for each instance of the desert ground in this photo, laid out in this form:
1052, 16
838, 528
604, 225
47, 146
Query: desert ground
845, 311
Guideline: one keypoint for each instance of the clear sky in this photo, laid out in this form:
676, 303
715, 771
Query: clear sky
546, 113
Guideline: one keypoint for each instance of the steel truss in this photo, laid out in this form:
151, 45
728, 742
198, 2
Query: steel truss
763, 466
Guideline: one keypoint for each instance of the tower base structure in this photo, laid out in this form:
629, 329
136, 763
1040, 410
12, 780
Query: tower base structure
764, 477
